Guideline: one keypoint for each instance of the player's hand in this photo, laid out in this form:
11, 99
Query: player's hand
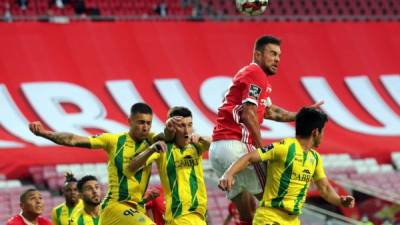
151, 194
37, 128
347, 201
173, 122
316, 105
195, 138
226, 182
171, 125
159, 146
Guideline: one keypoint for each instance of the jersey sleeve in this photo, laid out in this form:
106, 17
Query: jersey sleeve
153, 157
252, 87
267, 153
103, 141
319, 172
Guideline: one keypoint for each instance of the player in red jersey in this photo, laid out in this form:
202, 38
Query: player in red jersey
246, 104
32, 206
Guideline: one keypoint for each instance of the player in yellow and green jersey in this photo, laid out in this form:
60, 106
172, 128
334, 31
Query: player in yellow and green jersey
292, 164
63, 213
122, 202
181, 172
90, 192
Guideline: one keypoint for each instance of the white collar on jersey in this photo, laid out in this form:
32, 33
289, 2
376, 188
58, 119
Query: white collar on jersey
27, 222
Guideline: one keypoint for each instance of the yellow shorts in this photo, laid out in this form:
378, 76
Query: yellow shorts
188, 219
272, 216
117, 213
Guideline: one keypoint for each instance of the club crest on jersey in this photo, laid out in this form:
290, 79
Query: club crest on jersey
254, 91
266, 102
267, 148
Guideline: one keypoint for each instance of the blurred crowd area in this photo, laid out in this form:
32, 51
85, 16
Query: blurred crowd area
278, 10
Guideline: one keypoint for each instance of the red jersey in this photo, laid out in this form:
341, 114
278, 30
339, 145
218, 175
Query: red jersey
18, 220
250, 84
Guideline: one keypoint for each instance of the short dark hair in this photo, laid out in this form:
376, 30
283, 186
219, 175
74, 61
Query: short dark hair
264, 40
83, 180
307, 119
22, 197
69, 177
141, 107
179, 111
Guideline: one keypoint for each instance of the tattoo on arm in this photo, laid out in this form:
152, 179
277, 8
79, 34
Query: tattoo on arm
278, 114
60, 138
63, 138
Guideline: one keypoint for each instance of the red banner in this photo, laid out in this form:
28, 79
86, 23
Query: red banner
83, 77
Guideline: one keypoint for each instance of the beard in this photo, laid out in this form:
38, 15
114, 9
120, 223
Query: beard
92, 201
268, 70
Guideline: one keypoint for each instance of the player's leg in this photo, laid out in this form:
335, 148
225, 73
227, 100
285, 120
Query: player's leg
246, 206
188, 219
247, 183
120, 213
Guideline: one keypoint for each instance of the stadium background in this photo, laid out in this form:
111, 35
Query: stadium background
78, 67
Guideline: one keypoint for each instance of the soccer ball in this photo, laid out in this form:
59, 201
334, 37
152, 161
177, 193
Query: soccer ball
252, 7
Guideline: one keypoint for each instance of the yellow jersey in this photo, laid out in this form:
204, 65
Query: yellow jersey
82, 218
123, 185
181, 174
289, 174
63, 215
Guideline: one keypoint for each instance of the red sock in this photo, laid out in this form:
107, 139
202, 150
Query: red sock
245, 222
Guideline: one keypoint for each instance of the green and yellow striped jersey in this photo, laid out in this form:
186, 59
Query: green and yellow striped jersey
289, 174
181, 174
123, 185
63, 215
82, 218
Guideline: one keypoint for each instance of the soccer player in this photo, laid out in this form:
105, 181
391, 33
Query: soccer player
181, 172
122, 202
32, 206
292, 164
237, 129
90, 193
63, 213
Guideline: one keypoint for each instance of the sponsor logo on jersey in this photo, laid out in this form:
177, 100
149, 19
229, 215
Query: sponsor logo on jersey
254, 91
301, 177
188, 161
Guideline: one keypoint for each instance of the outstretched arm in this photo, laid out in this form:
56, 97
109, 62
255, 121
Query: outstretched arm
280, 114
140, 160
61, 138
227, 180
329, 194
